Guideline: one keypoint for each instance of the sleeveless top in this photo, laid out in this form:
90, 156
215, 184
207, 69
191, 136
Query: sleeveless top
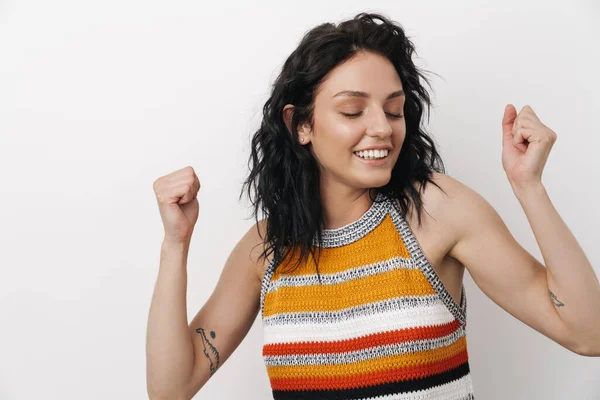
379, 325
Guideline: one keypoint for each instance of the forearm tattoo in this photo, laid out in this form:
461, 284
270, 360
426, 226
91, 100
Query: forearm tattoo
555, 300
209, 350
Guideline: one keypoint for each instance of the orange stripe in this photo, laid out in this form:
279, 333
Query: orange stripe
363, 342
369, 289
382, 243
370, 378
373, 364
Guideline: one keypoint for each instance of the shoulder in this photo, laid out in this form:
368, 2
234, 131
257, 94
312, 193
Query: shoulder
254, 243
448, 186
440, 197
453, 205
452, 194
462, 207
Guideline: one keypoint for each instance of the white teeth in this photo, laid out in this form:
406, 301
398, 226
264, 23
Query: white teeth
371, 154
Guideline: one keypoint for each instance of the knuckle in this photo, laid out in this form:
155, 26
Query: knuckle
156, 184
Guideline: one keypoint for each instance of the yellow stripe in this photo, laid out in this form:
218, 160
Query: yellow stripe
320, 297
371, 365
382, 243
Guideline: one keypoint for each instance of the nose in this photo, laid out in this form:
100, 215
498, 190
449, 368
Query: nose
379, 125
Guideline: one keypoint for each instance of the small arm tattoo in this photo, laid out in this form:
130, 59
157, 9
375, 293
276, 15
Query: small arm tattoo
209, 350
555, 300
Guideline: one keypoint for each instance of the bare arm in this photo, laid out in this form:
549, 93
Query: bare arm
227, 316
517, 281
169, 352
182, 358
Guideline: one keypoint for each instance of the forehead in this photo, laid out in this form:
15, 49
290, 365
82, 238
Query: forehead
366, 72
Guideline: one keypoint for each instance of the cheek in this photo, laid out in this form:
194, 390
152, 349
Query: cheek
340, 137
399, 133
400, 136
350, 133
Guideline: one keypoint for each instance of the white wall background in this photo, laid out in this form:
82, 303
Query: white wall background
98, 99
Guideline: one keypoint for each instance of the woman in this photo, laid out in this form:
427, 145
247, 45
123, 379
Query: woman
361, 293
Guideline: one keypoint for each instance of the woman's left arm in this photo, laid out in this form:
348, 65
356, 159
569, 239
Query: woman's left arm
526, 146
561, 300
572, 284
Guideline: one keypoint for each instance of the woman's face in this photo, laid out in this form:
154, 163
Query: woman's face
359, 105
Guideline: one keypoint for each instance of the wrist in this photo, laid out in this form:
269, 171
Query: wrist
175, 244
526, 192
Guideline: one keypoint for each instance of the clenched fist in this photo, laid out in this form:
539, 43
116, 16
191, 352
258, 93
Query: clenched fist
176, 194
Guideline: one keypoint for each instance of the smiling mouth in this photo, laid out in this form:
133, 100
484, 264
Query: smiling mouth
372, 155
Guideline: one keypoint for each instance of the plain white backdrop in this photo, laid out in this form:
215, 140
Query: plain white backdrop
98, 99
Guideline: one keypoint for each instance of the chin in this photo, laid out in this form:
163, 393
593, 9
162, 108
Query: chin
374, 183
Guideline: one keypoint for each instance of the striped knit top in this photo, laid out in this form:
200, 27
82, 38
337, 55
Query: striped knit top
379, 325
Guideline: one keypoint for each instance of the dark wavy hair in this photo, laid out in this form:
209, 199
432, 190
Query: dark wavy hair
284, 176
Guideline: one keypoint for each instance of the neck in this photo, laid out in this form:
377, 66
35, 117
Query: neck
340, 209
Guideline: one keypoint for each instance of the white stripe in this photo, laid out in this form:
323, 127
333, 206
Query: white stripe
435, 314
353, 312
456, 390
347, 275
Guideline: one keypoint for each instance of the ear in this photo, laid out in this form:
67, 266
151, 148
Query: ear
288, 112
303, 129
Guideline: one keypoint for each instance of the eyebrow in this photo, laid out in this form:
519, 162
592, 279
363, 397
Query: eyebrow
356, 93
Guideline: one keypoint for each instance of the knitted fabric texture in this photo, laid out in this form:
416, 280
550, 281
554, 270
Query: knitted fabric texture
379, 325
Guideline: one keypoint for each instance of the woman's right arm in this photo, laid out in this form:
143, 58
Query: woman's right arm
169, 351
180, 359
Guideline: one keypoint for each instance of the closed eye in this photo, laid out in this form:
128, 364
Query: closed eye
394, 116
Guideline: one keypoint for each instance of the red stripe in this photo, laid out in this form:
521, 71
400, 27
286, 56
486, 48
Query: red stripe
371, 378
359, 343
